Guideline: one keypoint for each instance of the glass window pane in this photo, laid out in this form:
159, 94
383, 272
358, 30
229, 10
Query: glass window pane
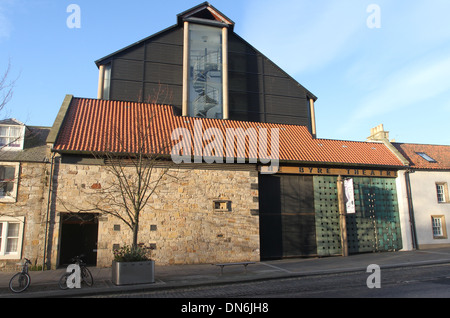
15, 131
13, 229
107, 82
9, 173
11, 245
205, 71
4, 131
440, 192
9, 188
4, 141
437, 227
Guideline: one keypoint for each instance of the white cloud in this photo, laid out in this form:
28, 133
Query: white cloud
417, 83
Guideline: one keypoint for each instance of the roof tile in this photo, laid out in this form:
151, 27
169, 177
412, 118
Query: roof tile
93, 125
440, 153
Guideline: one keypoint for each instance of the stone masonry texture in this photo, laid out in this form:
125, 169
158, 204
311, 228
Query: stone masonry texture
181, 220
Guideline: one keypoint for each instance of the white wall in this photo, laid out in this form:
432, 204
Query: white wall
424, 197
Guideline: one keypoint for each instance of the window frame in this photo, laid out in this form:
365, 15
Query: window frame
427, 157
443, 194
215, 55
19, 139
7, 220
186, 98
13, 197
106, 89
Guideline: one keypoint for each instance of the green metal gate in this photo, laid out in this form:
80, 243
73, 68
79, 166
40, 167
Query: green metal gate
374, 227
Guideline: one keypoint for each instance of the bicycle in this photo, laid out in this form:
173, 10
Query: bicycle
21, 281
86, 276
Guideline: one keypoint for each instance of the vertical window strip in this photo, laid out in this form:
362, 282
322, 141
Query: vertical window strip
437, 226
440, 188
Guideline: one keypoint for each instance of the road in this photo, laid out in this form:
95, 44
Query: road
431, 281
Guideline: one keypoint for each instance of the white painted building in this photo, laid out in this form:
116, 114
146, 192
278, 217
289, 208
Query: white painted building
423, 197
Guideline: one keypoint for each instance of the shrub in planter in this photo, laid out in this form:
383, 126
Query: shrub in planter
132, 265
132, 254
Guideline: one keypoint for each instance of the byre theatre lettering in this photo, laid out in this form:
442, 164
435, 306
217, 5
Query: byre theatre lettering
337, 172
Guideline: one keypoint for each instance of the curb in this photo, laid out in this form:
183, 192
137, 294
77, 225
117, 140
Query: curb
160, 285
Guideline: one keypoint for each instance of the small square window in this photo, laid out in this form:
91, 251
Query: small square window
11, 237
222, 205
9, 175
11, 137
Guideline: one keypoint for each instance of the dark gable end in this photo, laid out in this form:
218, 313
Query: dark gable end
151, 70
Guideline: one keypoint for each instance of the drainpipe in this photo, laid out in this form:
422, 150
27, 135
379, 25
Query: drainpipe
50, 186
411, 209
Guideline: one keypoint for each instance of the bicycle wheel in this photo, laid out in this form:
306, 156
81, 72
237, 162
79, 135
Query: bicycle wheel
63, 281
86, 276
19, 282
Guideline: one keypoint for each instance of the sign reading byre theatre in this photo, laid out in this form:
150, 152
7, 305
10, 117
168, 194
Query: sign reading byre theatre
335, 171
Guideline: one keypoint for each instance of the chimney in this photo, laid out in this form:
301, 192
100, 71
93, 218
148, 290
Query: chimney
378, 133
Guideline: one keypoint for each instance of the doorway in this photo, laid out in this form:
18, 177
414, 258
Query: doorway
79, 235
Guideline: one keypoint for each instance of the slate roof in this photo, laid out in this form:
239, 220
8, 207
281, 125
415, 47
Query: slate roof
92, 125
34, 148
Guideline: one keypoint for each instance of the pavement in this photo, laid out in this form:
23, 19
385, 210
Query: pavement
44, 284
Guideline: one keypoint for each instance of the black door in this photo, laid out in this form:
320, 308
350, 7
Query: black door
287, 219
79, 235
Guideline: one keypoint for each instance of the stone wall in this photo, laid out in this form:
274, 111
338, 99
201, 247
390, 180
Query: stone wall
31, 203
198, 215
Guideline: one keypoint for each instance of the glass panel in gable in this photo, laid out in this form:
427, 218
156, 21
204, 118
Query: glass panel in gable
205, 71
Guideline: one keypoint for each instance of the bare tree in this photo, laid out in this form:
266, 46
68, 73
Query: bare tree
6, 87
138, 166
6, 93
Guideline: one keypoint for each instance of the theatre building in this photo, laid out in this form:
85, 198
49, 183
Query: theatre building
193, 87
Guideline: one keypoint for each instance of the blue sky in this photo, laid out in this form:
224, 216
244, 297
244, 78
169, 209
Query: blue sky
397, 75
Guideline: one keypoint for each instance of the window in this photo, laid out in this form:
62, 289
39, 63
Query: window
107, 81
222, 206
442, 192
9, 174
11, 237
426, 157
11, 137
438, 225
205, 71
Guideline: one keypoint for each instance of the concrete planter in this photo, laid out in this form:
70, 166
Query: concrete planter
129, 273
